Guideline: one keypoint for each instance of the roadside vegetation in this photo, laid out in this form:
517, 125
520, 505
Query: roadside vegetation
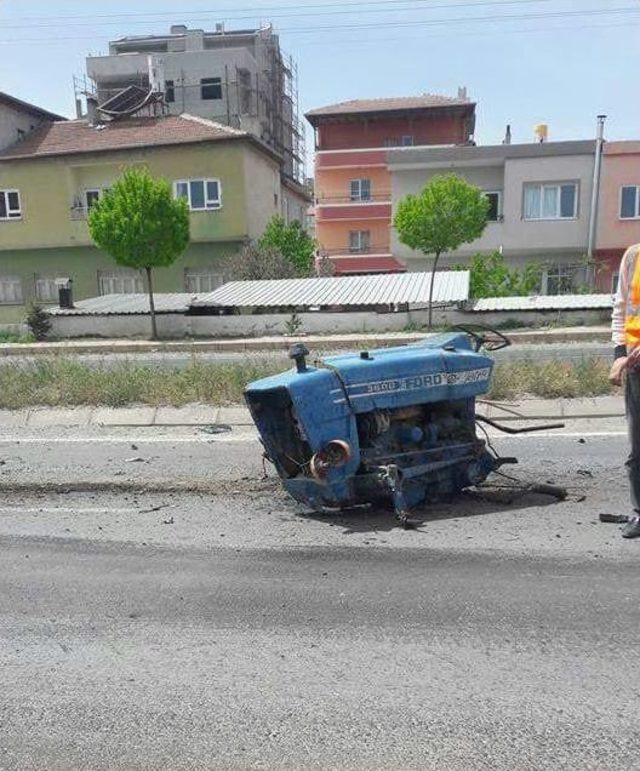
551, 379
12, 337
59, 382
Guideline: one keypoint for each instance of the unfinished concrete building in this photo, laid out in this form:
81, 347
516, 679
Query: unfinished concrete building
236, 77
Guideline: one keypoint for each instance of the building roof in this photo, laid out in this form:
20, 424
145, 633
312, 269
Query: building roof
78, 136
628, 147
388, 104
375, 263
561, 302
398, 158
387, 289
175, 33
31, 109
128, 304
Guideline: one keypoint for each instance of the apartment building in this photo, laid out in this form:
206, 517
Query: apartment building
239, 78
18, 118
540, 197
50, 180
618, 210
353, 190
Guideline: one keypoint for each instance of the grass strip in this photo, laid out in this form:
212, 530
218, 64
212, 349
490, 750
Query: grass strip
63, 382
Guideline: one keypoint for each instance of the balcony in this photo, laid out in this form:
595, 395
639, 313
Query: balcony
355, 251
77, 213
353, 210
329, 200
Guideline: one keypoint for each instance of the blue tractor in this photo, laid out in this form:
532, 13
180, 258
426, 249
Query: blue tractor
395, 424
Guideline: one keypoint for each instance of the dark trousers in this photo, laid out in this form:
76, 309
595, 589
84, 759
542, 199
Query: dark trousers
632, 401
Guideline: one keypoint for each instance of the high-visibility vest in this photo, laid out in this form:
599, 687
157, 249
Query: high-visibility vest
632, 310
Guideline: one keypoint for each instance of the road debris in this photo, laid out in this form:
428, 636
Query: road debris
217, 428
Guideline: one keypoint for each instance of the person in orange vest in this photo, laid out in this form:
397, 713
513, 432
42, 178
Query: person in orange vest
625, 327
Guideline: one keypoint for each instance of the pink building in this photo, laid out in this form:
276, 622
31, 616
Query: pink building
619, 210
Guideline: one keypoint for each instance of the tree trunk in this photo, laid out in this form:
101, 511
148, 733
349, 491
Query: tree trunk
152, 307
433, 276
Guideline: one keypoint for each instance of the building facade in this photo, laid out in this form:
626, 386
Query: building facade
18, 118
353, 189
51, 179
540, 196
618, 211
236, 77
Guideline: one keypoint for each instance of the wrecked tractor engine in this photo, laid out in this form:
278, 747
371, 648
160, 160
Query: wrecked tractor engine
395, 424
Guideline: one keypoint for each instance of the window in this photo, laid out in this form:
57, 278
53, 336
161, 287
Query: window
615, 278
201, 194
359, 241
120, 282
10, 208
199, 280
46, 289
91, 197
565, 279
169, 91
630, 202
211, 88
495, 206
10, 290
550, 202
360, 189
406, 140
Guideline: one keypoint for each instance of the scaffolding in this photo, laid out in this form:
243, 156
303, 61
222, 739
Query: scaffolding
263, 102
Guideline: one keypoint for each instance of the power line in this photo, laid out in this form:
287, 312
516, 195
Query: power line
360, 41
442, 22
255, 11
355, 9
465, 20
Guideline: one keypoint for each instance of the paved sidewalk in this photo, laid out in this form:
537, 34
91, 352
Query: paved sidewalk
200, 414
318, 342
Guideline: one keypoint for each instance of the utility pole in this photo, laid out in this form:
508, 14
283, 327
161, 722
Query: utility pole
595, 190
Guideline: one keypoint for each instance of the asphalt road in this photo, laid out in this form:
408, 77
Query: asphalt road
231, 629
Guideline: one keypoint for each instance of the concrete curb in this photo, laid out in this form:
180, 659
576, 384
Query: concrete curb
140, 416
282, 344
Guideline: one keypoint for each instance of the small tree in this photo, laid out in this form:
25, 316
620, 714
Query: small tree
38, 322
254, 262
292, 241
447, 213
141, 225
325, 266
491, 277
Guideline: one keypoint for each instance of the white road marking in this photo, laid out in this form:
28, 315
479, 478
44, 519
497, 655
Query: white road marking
232, 438
64, 510
120, 439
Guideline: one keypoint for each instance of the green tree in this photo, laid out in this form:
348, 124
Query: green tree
447, 213
491, 277
254, 262
141, 225
292, 241
38, 322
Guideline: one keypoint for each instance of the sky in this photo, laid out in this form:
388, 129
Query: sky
525, 62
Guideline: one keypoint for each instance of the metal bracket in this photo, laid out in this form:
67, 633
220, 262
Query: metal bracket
390, 475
